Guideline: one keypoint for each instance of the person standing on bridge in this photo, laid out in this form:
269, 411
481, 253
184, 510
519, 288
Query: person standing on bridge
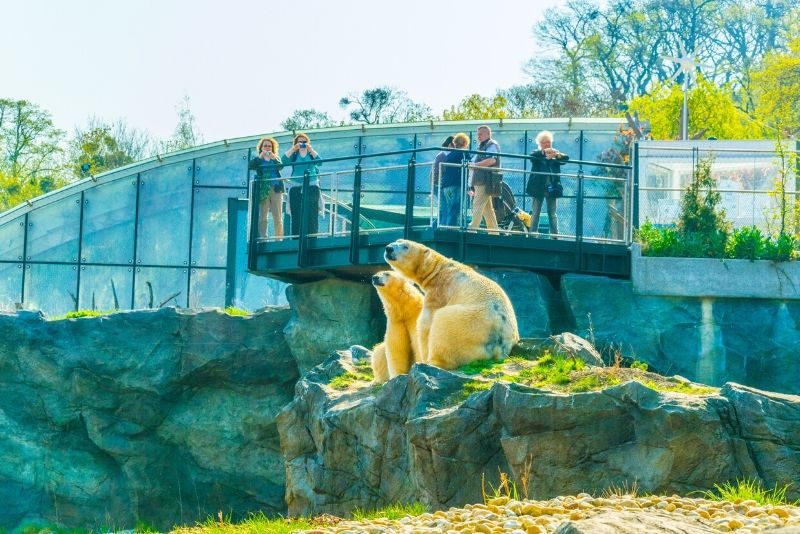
545, 182
270, 188
301, 157
451, 184
483, 180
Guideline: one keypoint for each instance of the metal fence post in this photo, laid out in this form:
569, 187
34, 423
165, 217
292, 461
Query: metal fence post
355, 226
579, 223
635, 188
410, 196
305, 210
254, 213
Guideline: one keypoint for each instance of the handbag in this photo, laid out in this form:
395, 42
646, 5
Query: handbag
555, 190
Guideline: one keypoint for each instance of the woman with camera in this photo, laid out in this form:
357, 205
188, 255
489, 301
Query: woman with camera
301, 157
544, 182
270, 189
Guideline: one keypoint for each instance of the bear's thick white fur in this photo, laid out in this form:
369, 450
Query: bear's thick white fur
402, 303
465, 316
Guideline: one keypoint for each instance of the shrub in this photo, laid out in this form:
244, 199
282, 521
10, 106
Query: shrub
782, 248
747, 243
702, 223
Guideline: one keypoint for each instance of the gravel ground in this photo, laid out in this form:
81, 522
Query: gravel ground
585, 514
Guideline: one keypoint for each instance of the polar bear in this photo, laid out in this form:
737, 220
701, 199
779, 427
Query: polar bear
465, 316
402, 303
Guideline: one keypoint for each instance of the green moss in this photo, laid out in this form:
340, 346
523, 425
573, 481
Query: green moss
473, 386
639, 365
391, 512
680, 387
550, 369
347, 379
594, 383
232, 310
79, 314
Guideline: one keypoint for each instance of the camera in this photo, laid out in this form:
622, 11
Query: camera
303, 144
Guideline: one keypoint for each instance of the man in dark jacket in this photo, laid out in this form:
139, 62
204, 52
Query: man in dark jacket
544, 182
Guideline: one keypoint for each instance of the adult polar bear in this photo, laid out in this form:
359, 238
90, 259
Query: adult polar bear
465, 316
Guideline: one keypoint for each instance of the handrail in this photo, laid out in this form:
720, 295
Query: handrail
360, 157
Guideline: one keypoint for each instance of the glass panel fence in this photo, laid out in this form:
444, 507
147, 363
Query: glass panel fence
105, 288
10, 285
207, 287
12, 240
165, 199
252, 292
160, 286
50, 288
210, 229
53, 231
109, 218
223, 169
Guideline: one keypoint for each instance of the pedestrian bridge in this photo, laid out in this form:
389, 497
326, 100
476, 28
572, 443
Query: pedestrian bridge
397, 201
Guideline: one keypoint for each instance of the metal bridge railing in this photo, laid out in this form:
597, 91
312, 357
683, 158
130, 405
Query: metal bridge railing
596, 203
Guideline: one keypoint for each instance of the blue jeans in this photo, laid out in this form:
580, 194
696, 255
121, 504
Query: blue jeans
450, 206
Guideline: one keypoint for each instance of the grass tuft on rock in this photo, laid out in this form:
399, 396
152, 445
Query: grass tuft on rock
749, 489
255, 522
393, 511
233, 310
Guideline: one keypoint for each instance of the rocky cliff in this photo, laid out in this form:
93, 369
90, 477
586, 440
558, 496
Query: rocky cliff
415, 438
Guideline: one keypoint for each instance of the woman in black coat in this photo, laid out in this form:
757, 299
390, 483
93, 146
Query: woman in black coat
544, 182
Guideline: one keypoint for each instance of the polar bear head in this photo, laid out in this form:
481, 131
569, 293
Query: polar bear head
387, 279
405, 256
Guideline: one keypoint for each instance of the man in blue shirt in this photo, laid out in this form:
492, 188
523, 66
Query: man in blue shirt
451, 185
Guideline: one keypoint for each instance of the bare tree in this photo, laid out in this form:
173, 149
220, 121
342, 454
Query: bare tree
384, 105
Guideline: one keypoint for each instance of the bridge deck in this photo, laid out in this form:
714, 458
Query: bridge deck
326, 256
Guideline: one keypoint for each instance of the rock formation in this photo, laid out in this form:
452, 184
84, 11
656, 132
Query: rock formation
415, 438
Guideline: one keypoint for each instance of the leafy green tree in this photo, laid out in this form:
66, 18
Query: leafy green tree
711, 109
384, 105
30, 145
307, 119
96, 151
777, 89
478, 107
14, 191
186, 133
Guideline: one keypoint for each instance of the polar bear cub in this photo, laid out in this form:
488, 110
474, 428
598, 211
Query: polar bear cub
465, 316
402, 303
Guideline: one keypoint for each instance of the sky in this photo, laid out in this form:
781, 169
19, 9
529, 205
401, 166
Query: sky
246, 66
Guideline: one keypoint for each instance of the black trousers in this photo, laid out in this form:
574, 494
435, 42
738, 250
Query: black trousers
312, 216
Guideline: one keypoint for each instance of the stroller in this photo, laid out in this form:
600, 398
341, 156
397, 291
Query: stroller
509, 216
